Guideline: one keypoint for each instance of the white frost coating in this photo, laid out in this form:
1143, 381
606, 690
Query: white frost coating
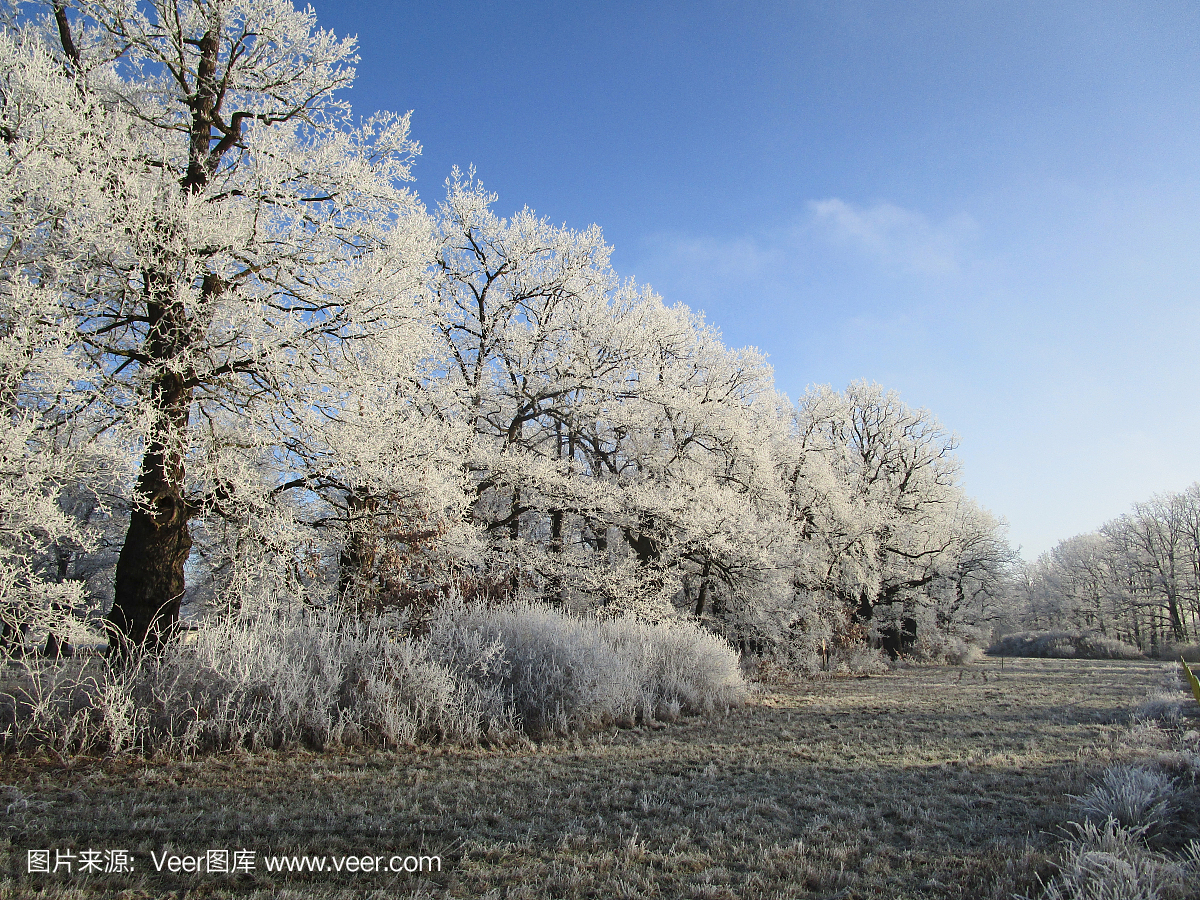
386, 401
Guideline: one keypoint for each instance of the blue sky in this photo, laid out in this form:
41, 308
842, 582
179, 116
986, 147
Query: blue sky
992, 207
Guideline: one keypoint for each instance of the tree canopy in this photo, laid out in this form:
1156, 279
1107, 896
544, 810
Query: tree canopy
227, 320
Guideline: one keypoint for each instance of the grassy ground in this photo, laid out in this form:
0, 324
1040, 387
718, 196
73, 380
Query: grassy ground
937, 782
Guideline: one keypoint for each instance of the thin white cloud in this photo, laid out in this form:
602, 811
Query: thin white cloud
899, 239
896, 241
736, 258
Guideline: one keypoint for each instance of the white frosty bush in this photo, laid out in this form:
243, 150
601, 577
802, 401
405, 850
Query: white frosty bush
286, 677
565, 673
282, 679
558, 672
858, 659
959, 646
682, 667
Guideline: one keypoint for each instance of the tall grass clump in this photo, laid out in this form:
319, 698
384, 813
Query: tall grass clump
1109, 862
59, 705
286, 677
1131, 796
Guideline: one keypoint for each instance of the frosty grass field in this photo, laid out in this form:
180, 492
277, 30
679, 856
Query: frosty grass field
925, 782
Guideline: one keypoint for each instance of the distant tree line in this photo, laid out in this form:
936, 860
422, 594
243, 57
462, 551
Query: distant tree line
1136, 578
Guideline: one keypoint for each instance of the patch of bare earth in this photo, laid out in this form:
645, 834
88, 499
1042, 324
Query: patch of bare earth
933, 782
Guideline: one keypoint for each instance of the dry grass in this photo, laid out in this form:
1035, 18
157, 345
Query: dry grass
927, 782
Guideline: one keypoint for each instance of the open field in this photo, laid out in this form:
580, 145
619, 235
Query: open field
933, 782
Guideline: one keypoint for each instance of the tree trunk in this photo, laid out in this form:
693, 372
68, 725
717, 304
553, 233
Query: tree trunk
556, 592
705, 590
356, 562
150, 577
642, 541
150, 569
599, 541
864, 610
1178, 633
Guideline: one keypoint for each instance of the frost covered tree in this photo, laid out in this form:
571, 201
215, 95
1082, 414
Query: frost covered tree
529, 319
609, 438
236, 313
875, 490
224, 245
56, 469
1136, 578
55, 457
975, 582
1156, 541
694, 444
881, 524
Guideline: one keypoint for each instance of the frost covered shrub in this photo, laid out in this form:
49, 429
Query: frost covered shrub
558, 672
681, 667
1063, 645
563, 673
858, 659
854, 657
286, 677
1187, 652
283, 678
957, 648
